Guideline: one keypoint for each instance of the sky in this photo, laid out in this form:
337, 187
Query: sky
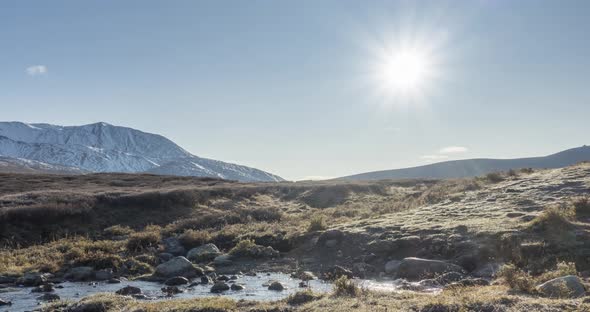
296, 88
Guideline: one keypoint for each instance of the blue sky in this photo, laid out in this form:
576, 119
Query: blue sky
286, 86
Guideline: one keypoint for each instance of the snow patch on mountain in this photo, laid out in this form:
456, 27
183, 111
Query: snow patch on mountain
102, 147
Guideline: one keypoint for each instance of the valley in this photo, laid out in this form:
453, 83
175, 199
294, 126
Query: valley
456, 236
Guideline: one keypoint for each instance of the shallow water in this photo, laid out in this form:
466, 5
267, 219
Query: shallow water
23, 300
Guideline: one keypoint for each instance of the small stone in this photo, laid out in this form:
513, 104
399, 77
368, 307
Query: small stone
219, 287
171, 290
205, 280
49, 297
128, 290
43, 288
237, 287
114, 281
276, 286
177, 280
223, 278
5, 303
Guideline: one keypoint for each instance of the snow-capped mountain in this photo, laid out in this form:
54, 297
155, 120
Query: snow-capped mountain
102, 147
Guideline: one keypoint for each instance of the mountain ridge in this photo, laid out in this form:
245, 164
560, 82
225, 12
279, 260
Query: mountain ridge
102, 147
476, 166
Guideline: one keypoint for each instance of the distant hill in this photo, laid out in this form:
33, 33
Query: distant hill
477, 167
101, 147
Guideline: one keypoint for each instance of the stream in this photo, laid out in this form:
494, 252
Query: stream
24, 300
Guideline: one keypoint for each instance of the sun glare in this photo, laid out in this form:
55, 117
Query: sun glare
405, 71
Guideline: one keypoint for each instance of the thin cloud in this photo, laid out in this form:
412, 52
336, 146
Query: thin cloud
453, 150
36, 70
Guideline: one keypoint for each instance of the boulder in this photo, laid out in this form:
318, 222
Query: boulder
44, 288
128, 290
222, 260
417, 268
223, 278
165, 257
49, 297
7, 279
219, 287
173, 246
179, 266
103, 275
175, 281
205, 252
33, 279
563, 287
392, 266
276, 286
237, 287
83, 273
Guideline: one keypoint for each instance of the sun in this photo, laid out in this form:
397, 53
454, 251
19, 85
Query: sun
405, 71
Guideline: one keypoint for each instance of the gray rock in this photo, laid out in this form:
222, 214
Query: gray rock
33, 279
219, 287
7, 279
44, 288
83, 273
173, 246
417, 268
392, 266
205, 280
179, 266
128, 290
49, 297
563, 287
237, 287
331, 243
276, 286
175, 281
206, 252
223, 278
171, 290
165, 257
223, 260
103, 275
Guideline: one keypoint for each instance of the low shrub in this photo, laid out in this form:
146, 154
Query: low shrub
581, 206
118, 230
142, 240
494, 177
516, 278
317, 223
302, 297
344, 287
194, 238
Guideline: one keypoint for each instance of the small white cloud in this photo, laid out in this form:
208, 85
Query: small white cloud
36, 70
453, 150
434, 157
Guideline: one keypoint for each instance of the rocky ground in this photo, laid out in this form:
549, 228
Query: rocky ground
510, 241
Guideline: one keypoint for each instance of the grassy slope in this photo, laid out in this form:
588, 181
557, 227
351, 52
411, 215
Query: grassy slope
43, 212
